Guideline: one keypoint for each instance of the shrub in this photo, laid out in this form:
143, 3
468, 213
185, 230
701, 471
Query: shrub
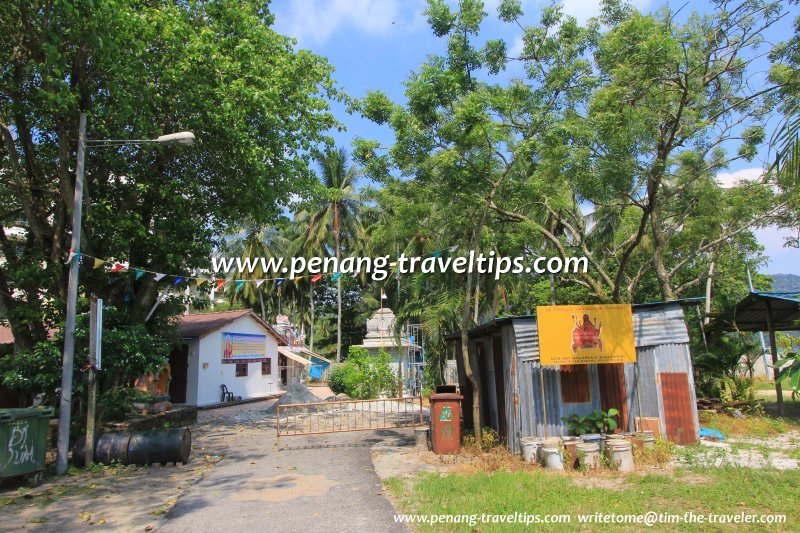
363, 376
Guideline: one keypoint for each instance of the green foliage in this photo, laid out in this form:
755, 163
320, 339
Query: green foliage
139, 71
789, 367
735, 389
489, 439
363, 376
599, 421
34, 371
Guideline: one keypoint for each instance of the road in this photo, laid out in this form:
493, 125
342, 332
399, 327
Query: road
298, 484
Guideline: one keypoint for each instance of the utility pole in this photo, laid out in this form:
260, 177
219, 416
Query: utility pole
65, 405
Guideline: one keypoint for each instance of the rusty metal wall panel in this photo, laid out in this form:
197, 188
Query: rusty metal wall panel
678, 359
526, 338
531, 414
614, 391
653, 326
678, 417
647, 390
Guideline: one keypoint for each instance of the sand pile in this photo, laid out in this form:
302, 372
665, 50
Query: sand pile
295, 393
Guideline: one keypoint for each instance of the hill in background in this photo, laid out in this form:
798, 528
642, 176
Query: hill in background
786, 283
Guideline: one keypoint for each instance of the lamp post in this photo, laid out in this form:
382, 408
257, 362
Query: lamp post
65, 404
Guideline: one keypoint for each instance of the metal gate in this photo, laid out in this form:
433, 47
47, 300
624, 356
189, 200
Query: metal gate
349, 415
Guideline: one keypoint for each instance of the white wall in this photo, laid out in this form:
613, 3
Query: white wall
211, 372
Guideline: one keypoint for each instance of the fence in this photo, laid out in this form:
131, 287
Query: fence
349, 415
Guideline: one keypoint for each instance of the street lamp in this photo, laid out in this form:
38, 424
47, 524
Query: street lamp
65, 409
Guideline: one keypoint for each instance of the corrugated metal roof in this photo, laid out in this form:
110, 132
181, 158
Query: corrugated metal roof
751, 312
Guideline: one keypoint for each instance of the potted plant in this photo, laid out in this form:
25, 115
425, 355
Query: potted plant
597, 422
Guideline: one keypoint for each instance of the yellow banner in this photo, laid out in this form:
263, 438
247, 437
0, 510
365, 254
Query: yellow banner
585, 334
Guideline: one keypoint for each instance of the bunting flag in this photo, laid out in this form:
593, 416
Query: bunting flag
118, 267
383, 295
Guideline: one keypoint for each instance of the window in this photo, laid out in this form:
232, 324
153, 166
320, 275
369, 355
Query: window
575, 387
266, 367
241, 370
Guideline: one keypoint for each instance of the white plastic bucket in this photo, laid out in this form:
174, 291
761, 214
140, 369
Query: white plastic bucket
551, 457
648, 439
619, 453
588, 455
530, 448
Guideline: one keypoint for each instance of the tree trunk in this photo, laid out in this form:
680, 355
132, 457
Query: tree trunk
311, 324
336, 231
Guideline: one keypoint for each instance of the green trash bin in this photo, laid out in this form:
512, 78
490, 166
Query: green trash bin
23, 441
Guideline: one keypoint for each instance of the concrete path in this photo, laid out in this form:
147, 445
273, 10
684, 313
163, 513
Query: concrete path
308, 483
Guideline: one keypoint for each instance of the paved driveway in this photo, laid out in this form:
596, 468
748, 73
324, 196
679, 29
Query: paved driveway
307, 483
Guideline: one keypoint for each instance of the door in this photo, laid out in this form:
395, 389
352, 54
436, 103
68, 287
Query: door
179, 368
678, 412
611, 378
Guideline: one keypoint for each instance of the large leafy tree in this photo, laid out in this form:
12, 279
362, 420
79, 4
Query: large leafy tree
141, 69
466, 140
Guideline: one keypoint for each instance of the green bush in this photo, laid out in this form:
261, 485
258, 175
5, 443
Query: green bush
363, 376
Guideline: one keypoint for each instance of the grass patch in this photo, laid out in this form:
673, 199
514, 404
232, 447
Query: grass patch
750, 426
395, 486
722, 491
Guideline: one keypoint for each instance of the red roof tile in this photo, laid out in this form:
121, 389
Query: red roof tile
197, 325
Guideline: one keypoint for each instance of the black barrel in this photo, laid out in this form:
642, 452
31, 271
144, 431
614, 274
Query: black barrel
160, 446
108, 447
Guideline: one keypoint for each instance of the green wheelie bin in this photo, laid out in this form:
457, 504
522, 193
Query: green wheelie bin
23, 442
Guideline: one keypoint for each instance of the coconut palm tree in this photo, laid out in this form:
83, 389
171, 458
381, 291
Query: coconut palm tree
255, 242
334, 221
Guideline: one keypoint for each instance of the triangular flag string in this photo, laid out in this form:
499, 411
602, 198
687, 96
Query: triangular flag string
118, 267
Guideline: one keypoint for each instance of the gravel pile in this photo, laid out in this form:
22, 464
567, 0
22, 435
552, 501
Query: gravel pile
295, 393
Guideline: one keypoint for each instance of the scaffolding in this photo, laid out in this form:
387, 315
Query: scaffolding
413, 359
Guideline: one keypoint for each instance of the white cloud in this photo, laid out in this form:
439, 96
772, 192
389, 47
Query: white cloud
313, 22
727, 180
517, 47
782, 259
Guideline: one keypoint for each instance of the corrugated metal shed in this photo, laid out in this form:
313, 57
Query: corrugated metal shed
662, 346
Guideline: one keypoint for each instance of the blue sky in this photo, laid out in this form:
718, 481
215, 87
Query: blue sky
375, 44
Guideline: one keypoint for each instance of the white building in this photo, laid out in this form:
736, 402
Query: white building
234, 349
